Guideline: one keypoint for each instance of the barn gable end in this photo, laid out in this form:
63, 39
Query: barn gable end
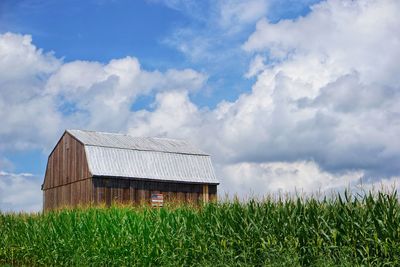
67, 173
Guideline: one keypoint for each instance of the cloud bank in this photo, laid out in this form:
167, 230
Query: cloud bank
20, 192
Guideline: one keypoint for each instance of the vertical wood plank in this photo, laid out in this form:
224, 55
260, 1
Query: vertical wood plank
205, 193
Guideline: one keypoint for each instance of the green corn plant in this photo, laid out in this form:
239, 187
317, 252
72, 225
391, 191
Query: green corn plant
343, 230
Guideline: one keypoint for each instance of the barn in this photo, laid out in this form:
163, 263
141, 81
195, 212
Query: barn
89, 168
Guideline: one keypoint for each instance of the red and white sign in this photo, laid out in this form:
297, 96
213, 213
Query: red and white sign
157, 200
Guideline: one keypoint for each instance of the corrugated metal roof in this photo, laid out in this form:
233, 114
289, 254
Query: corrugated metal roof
119, 155
105, 161
130, 142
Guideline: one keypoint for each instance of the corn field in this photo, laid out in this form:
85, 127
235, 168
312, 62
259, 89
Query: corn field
343, 230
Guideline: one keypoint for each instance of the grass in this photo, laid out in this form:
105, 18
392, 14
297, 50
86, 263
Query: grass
343, 230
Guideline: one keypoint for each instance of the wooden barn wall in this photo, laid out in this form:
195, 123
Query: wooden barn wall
212, 192
69, 195
106, 190
67, 163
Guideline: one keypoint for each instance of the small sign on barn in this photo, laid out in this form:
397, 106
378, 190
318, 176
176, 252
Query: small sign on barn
157, 200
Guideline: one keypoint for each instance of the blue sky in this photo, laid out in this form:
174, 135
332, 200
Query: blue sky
91, 30
288, 89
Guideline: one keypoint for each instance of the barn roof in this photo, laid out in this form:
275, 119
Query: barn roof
121, 155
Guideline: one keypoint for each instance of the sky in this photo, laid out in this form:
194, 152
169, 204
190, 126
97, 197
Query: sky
287, 96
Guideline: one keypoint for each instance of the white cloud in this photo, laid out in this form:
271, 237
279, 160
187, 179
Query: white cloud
41, 96
24, 107
20, 59
382, 185
256, 66
103, 94
20, 192
345, 35
327, 96
255, 179
174, 114
343, 57
233, 15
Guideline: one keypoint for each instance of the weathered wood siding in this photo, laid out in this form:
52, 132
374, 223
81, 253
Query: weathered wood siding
69, 195
109, 190
212, 191
67, 179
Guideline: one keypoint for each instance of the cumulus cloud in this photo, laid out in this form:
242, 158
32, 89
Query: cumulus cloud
175, 114
20, 192
41, 95
345, 35
20, 59
24, 106
254, 179
325, 94
333, 84
256, 66
104, 95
